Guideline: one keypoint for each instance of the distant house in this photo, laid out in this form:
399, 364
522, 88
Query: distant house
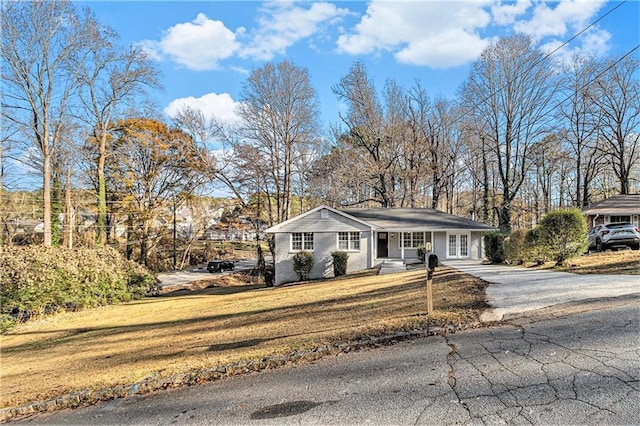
371, 236
619, 208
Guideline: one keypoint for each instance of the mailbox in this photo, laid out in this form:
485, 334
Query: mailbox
432, 264
433, 261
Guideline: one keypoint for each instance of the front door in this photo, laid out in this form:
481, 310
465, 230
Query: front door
383, 244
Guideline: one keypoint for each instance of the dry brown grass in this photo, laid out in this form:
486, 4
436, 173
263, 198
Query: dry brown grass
623, 262
191, 330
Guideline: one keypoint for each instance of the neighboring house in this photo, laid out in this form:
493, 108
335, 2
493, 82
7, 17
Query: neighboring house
619, 208
371, 236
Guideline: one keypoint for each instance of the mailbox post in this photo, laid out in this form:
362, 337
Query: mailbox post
432, 263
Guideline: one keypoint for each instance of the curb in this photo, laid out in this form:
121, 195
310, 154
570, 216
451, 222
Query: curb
89, 397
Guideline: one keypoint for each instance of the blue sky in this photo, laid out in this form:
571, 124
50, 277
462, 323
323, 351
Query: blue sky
206, 49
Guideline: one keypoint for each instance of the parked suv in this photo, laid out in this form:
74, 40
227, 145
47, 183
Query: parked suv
220, 265
614, 235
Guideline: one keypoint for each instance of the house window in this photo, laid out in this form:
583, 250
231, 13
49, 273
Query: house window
620, 219
412, 239
349, 241
301, 241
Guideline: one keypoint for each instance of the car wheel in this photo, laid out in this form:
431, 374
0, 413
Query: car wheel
599, 245
636, 247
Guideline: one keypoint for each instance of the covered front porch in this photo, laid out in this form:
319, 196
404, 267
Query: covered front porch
402, 245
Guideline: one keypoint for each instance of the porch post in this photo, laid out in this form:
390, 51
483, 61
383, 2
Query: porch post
402, 245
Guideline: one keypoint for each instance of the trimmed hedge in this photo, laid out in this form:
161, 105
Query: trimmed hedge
494, 246
303, 264
36, 280
339, 262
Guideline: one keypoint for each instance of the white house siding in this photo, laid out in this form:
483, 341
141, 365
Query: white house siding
439, 245
325, 240
317, 223
476, 245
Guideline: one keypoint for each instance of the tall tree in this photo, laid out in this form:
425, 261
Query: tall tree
415, 152
365, 131
279, 112
581, 122
152, 165
40, 42
112, 78
617, 96
511, 88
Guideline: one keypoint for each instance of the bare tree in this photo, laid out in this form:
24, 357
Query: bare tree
366, 132
111, 78
279, 112
40, 42
581, 123
510, 87
617, 95
415, 153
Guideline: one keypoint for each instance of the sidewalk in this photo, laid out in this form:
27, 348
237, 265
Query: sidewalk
513, 290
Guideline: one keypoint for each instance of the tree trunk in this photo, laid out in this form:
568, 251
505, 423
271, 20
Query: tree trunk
102, 192
46, 196
69, 214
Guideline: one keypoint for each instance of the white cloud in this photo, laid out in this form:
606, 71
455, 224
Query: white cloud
221, 106
283, 23
547, 21
436, 34
199, 45
506, 14
444, 50
595, 42
554, 23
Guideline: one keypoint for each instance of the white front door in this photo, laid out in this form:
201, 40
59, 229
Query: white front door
457, 246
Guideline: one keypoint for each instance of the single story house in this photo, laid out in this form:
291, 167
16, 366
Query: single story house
619, 208
371, 236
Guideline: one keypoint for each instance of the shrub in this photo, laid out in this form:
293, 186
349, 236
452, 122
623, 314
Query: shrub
339, 263
535, 251
302, 264
564, 234
36, 280
515, 250
494, 246
421, 252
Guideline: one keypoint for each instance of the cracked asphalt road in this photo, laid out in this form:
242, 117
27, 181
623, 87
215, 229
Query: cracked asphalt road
571, 364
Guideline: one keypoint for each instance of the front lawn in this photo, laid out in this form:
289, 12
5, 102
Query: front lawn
626, 262
188, 332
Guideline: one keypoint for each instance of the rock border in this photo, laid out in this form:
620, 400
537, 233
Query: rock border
148, 385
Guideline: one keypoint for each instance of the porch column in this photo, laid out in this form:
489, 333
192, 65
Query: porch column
402, 245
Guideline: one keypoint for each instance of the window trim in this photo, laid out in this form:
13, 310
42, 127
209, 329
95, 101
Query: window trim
350, 241
306, 241
414, 245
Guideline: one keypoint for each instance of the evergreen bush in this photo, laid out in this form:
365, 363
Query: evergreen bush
36, 280
494, 246
535, 251
564, 234
303, 264
339, 263
515, 250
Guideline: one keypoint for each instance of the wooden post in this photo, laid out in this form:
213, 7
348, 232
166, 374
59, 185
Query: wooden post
429, 293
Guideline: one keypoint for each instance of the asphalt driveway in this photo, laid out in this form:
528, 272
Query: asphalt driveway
513, 290
197, 273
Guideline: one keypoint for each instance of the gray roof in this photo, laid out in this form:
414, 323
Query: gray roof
405, 219
619, 204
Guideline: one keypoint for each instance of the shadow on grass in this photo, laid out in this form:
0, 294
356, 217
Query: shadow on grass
369, 303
